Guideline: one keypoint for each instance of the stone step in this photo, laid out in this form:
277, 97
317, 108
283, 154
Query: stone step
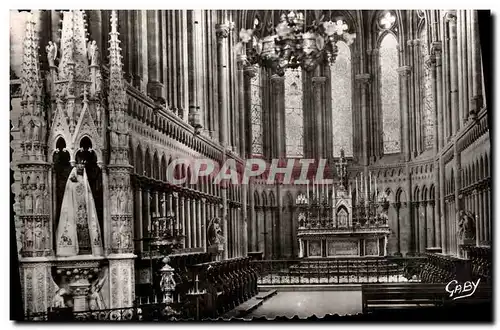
266, 294
250, 305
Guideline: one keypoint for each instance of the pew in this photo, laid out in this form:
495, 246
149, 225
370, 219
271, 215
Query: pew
402, 295
376, 297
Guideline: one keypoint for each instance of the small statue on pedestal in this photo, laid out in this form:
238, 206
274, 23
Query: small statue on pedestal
466, 225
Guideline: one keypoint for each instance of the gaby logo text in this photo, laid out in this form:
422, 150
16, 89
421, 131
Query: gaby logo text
459, 291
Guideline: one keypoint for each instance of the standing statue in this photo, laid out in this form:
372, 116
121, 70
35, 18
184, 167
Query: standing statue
78, 231
466, 225
96, 301
215, 235
93, 53
59, 299
51, 50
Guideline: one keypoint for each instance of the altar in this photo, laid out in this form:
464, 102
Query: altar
336, 222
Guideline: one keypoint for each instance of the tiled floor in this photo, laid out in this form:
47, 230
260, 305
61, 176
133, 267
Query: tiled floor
305, 304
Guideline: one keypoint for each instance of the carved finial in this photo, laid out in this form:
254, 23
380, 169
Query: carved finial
73, 47
114, 22
31, 82
116, 96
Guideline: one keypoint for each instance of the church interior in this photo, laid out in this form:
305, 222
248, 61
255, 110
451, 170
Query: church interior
390, 105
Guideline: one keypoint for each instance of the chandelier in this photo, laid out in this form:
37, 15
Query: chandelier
292, 43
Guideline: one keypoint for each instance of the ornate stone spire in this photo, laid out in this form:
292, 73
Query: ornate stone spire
31, 83
117, 98
74, 58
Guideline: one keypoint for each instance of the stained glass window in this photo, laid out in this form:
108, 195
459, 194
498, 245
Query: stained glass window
427, 95
342, 101
389, 94
256, 114
294, 117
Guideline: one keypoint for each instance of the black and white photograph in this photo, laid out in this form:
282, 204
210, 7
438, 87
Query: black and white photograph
258, 165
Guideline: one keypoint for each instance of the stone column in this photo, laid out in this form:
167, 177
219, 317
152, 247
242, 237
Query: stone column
404, 73
488, 214
455, 114
187, 222
397, 206
181, 219
193, 223
121, 281
423, 234
163, 203
416, 228
477, 84
436, 47
476, 210
156, 208
436, 207
301, 248
277, 143
203, 227
143, 52
224, 210
364, 79
431, 241
155, 86
147, 220
223, 31
244, 218
318, 87
482, 219
442, 219
199, 224
138, 220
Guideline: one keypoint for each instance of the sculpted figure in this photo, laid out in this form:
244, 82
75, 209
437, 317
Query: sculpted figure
78, 231
466, 225
51, 50
58, 300
93, 53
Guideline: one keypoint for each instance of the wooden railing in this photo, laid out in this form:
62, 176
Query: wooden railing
337, 271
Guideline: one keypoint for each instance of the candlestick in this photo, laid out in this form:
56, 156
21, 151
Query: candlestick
308, 189
366, 191
370, 181
357, 190
376, 194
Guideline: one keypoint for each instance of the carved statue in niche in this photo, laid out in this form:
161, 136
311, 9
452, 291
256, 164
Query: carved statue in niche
215, 235
39, 237
98, 114
98, 82
51, 50
342, 217
466, 225
78, 231
93, 53
28, 234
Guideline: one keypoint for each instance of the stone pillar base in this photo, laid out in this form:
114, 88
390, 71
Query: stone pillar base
38, 287
121, 280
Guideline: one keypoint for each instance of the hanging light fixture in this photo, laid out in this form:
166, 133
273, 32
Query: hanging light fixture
292, 43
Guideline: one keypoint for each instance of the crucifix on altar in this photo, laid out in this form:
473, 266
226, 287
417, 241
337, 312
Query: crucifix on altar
341, 169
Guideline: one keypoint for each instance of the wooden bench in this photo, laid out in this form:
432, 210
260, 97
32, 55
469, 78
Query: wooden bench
417, 295
402, 295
